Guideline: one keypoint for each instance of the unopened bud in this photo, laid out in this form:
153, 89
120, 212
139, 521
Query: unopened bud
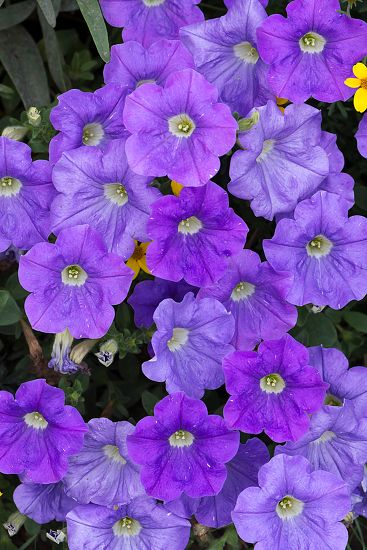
14, 523
14, 132
317, 309
34, 116
107, 352
245, 124
56, 536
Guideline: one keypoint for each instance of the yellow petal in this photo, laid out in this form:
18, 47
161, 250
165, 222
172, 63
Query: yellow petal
360, 100
133, 264
176, 187
144, 246
352, 82
281, 101
360, 70
143, 265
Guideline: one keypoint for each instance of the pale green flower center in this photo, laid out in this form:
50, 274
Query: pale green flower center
312, 42
181, 126
93, 134
113, 453
153, 3
73, 275
116, 193
147, 81
126, 527
242, 291
9, 187
332, 400
325, 437
289, 507
319, 246
246, 52
178, 339
268, 146
272, 383
181, 438
36, 420
190, 226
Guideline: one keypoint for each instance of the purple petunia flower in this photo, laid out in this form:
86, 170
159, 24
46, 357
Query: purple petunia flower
182, 449
87, 119
312, 55
139, 525
191, 340
255, 295
102, 472
132, 65
361, 136
273, 389
194, 235
294, 507
178, 130
98, 188
38, 432
281, 161
43, 503
324, 250
73, 283
225, 53
230, 3
26, 193
146, 21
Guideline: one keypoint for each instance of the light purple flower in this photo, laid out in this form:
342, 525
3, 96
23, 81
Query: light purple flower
98, 188
281, 161
361, 136
182, 449
312, 54
139, 525
194, 235
255, 295
294, 507
38, 432
43, 503
274, 389
146, 21
73, 283
324, 250
230, 3
191, 340
26, 193
87, 119
179, 130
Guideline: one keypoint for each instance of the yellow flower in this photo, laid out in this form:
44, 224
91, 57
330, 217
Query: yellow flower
176, 187
360, 82
138, 260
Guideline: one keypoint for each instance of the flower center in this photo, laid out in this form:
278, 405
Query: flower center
272, 383
319, 246
73, 275
325, 437
147, 81
289, 507
246, 52
312, 42
113, 452
93, 134
35, 420
153, 3
268, 146
116, 193
190, 226
332, 400
178, 339
181, 438
138, 253
126, 527
181, 126
242, 291
364, 83
9, 187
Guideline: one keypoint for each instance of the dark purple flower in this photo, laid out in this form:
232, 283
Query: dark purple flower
361, 136
73, 283
273, 389
312, 54
294, 508
178, 130
38, 432
26, 193
281, 161
324, 250
146, 21
43, 503
87, 119
194, 235
255, 295
230, 3
191, 340
182, 449
139, 525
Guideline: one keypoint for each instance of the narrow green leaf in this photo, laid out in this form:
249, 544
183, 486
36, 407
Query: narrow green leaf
16, 13
149, 400
54, 55
356, 320
1, 2
92, 14
22, 61
48, 11
9, 310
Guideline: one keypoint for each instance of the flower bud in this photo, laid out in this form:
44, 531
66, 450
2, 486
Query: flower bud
14, 132
107, 352
14, 523
34, 116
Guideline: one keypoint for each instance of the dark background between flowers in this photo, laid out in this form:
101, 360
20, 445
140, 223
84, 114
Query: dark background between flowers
50, 46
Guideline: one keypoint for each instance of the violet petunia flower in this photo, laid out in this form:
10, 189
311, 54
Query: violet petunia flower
255, 295
99, 188
191, 340
142, 524
43, 503
312, 54
274, 389
102, 472
179, 130
86, 119
281, 161
194, 235
73, 283
225, 52
230, 3
26, 193
132, 65
38, 432
293, 507
361, 136
324, 250
182, 449
147, 21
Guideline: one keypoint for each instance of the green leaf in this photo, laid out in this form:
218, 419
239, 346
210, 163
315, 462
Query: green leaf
92, 14
14, 287
9, 311
356, 320
47, 9
55, 58
149, 400
318, 330
16, 13
360, 195
22, 61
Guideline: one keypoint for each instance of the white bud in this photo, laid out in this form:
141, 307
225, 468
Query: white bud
14, 523
14, 132
34, 116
